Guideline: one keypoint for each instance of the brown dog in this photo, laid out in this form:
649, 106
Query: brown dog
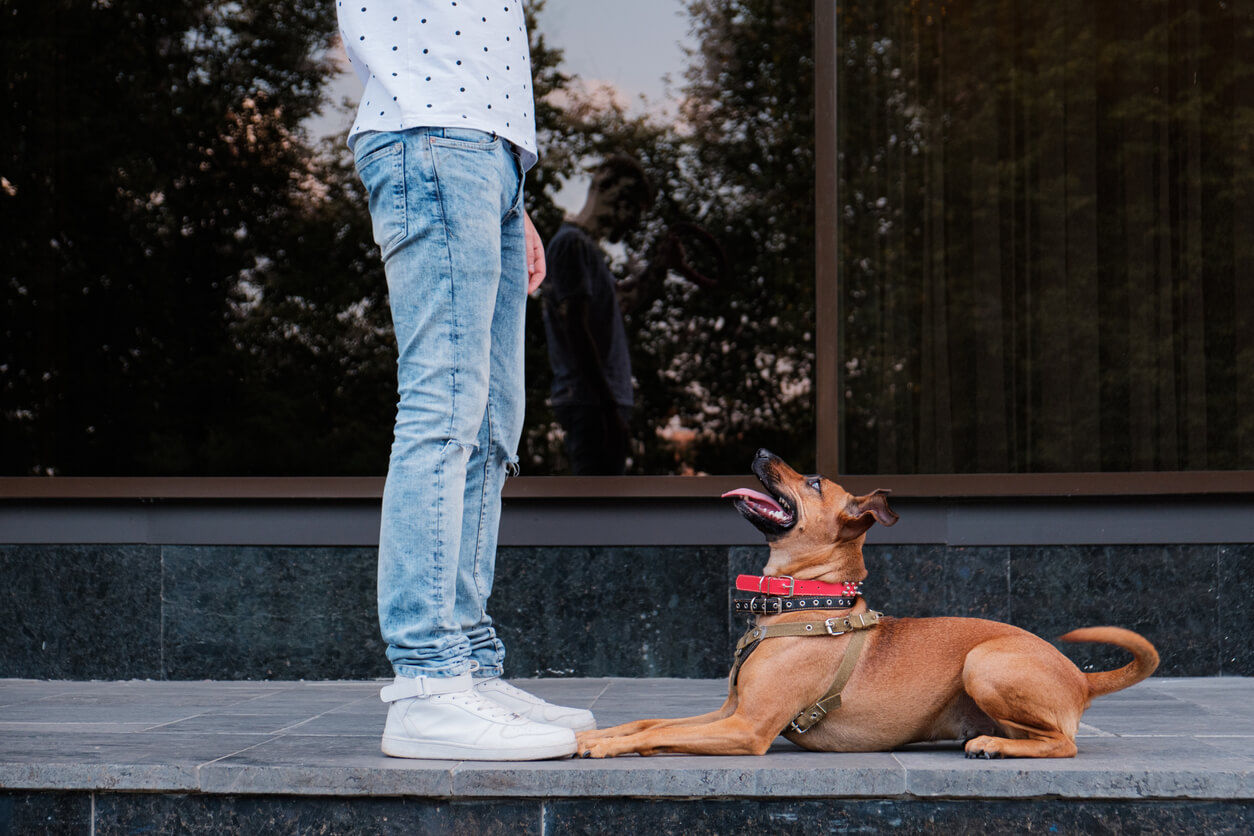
1004, 691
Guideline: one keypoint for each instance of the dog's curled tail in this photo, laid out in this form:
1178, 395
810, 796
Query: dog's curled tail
1144, 662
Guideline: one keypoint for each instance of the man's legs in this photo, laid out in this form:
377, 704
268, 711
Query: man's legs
440, 201
443, 276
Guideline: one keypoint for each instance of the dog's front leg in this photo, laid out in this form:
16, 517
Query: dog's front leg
734, 735
637, 726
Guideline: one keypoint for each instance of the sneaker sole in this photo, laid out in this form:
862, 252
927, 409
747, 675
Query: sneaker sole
443, 751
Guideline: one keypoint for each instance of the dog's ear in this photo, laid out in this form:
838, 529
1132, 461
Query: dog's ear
876, 503
864, 511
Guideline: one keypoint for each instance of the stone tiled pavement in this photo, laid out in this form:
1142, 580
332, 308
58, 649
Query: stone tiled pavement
1166, 738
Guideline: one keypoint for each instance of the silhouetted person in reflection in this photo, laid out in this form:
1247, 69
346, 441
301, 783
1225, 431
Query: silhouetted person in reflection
583, 322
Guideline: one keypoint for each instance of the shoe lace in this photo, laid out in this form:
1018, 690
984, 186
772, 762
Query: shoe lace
482, 705
517, 693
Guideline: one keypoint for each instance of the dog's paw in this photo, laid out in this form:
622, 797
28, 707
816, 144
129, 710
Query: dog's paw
984, 755
585, 743
591, 745
984, 748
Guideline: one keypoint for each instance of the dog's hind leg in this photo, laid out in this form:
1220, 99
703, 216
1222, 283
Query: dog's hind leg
1032, 692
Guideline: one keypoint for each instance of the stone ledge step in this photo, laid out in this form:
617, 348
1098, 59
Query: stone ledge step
1164, 739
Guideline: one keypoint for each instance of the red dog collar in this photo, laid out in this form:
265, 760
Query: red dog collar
787, 586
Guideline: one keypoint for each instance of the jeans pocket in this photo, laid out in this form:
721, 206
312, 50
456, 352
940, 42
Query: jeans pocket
382, 171
465, 138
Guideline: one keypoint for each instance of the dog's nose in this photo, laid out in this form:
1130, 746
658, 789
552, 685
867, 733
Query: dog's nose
764, 453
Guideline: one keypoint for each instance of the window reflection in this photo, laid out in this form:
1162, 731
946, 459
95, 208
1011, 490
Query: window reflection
191, 286
721, 345
187, 288
1045, 251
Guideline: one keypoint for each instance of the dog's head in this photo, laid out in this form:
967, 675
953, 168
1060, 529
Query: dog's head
813, 525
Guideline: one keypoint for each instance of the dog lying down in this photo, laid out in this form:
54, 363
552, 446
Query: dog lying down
833, 676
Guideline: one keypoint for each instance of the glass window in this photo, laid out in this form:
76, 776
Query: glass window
1045, 215
715, 102
190, 282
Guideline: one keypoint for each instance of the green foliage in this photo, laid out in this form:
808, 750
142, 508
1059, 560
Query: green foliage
719, 372
191, 287
161, 202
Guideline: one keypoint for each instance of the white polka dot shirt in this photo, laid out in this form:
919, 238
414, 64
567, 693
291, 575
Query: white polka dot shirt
441, 64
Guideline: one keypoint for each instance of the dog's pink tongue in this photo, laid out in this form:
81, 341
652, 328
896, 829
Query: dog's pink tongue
754, 497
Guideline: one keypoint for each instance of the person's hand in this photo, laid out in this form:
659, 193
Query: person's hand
535, 255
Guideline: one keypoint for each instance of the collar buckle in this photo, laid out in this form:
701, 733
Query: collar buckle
765, 581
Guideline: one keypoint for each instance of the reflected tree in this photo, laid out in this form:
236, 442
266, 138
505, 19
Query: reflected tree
156, 177
190, 284
719, 372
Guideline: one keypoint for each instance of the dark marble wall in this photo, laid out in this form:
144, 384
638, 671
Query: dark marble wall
951, 818
269, 613
80, 612
107, 813
230, 612
45, 814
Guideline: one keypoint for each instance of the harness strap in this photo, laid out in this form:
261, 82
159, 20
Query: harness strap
744, 647
828, 627
807, 719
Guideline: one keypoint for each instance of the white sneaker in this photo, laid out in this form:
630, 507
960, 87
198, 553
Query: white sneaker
534, 708
444, 718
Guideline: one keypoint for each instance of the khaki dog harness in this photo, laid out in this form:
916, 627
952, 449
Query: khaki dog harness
857, 624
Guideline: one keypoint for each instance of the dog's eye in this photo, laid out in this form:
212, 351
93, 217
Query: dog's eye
816, 483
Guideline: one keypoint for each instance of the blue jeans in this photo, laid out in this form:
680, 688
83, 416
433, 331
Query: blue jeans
446, 208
